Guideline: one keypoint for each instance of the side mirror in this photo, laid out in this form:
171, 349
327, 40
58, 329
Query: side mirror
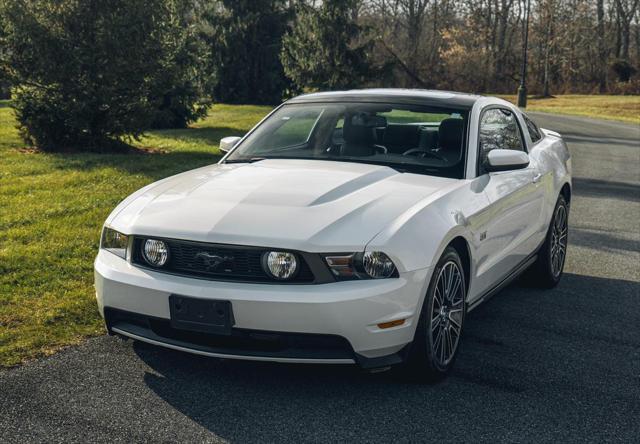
226, 143
505, 160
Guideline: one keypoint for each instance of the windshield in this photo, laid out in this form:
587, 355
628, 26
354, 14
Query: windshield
408, 138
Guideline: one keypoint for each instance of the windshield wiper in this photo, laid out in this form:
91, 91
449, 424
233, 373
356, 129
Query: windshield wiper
398, 166
401, 167
258, 159
245, 160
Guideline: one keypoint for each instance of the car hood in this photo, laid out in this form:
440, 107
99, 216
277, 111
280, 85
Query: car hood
306, 205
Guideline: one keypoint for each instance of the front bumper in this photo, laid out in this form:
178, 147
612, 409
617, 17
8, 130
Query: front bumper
348, 310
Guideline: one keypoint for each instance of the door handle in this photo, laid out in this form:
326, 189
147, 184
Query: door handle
537, 177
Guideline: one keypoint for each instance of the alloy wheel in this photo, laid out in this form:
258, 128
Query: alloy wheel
447, 313
559, 233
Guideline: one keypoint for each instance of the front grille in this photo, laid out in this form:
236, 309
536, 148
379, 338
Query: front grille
231, 263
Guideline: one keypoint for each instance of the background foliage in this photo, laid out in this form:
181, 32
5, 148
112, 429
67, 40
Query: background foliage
84, 70
476, 45
245, 42
88, 74
327, 48
181, 91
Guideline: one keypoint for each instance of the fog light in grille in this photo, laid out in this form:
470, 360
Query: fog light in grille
280, 265
155, 252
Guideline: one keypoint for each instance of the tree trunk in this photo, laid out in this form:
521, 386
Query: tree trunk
602, 49
504, 11
549, 16
500, 44
618, 44
625, 40
415, 10
638, 43
545, 82
626, 12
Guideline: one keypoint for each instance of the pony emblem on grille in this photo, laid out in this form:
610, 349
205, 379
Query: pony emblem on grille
213, 262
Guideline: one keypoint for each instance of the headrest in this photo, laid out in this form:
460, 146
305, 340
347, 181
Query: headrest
359, 128
368, 120
450, 134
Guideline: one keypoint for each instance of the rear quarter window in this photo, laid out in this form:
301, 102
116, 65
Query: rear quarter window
532, 128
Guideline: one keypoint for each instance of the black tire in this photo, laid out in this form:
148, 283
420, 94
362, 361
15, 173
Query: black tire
546, 271
424, 362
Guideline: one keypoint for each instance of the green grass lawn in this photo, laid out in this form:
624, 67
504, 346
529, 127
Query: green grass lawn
51, 211
622, 108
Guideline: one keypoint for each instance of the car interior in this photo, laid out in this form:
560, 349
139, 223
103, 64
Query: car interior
370, 134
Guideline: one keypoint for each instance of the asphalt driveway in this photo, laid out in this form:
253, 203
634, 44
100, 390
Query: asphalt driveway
536, 366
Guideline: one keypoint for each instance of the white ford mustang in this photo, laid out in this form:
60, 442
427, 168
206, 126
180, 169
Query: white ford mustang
346, 227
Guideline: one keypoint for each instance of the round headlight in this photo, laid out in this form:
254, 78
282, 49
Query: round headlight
155, 252
280, 264
378, 265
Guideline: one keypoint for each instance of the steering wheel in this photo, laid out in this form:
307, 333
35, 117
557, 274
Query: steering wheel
423, 153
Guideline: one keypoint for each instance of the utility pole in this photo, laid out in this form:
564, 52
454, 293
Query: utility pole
522, 89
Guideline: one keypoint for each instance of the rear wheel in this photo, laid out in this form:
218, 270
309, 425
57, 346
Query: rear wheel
547, 270
435, 346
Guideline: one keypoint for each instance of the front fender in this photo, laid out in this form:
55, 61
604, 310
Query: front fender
418, 238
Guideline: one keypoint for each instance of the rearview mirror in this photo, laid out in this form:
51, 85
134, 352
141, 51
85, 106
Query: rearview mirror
227, 143
368, 120
505, 160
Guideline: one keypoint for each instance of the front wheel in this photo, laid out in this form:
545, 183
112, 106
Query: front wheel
439, 329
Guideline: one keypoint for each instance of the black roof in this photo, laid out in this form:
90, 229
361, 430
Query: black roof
434, 98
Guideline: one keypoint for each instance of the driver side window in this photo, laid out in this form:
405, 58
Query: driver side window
499, 130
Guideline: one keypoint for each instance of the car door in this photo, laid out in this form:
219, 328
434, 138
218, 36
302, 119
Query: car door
515, 200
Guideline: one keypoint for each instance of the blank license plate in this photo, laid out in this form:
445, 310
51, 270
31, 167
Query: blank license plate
201, 315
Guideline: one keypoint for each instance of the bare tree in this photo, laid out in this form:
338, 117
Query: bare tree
548, 18
602, 48
626, 11
503, 13
402, 35
414, 12
476, 44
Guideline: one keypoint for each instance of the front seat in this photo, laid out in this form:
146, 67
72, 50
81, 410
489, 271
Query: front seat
359, 139
450, 136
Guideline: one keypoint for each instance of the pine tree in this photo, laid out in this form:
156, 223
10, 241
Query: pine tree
89, 73
327, 49
182, 89
246, 40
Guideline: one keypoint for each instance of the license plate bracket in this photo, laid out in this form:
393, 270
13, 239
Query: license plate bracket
201, 315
